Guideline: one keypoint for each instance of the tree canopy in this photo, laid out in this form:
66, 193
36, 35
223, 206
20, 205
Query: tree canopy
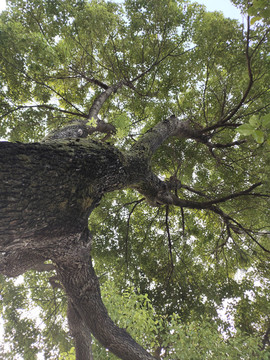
138, 138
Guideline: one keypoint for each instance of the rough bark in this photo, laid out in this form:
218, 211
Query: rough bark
47, 193
156, 136
81, 284
81, 334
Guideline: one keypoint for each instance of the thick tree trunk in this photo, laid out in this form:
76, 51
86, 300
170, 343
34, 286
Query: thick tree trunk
48, 190
47, 193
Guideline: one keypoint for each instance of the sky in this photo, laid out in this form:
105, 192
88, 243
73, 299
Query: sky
212, 5
225, 6
2, 4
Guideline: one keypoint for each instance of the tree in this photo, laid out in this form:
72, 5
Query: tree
142, 169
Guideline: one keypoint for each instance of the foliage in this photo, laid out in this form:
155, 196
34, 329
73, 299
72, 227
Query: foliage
256, 127
197, 339
165, 271
259, 10
34, 317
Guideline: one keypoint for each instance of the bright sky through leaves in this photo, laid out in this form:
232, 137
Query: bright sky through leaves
212, 5
228, 9
2, 4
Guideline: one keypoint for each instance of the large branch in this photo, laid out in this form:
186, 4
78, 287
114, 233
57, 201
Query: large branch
81, 129
100, 100
81, 334
156, 136
81, 284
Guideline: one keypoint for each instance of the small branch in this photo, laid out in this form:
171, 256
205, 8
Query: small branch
200, 205
204, 92
90, 79
183, 221
133, 202
49, 107
157, 62
197, 192
224, 243
90, 55
224, 146
233, 196
231, 113
128, 222
248, 57
27, 76
237, 229
260, 43
246, 232
169, 240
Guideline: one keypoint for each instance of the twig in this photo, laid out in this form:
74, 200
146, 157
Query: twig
169, 240
127, 231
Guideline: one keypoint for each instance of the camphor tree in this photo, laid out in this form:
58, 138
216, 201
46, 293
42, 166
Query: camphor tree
138, 146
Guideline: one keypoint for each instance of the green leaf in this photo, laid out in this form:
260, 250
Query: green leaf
252, 11
254, 121
246, 129
266, 121
258, 136
92, 122
254, 19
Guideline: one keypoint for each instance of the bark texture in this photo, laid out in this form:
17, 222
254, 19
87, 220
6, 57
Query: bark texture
47, 193
82, 286
80, 332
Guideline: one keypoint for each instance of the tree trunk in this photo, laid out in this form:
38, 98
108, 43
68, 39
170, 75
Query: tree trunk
47, 193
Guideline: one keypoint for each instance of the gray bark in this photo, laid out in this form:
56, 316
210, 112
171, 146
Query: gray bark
47, 193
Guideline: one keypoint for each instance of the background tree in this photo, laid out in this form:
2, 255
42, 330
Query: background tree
156, 116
